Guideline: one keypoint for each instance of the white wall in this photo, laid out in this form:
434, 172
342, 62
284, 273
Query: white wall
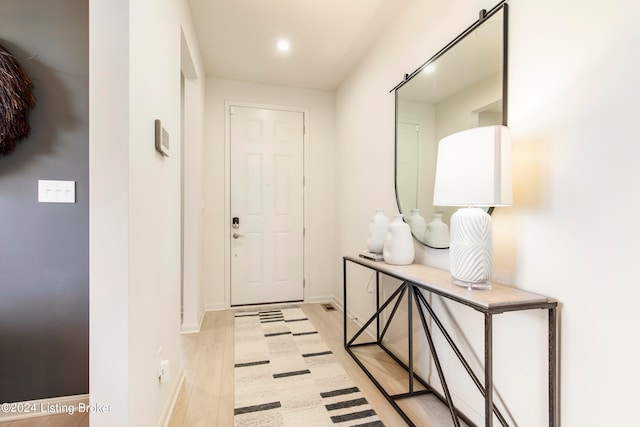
569, 235
192, 188
109, 209
319, 178
135, 206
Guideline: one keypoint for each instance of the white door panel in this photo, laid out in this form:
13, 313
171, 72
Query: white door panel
267, 197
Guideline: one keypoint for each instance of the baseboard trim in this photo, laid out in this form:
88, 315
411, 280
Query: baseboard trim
214, 307
319, 300
190, 328
165, 417
221, 307
353, 317
337, 303
203, 312
45, 407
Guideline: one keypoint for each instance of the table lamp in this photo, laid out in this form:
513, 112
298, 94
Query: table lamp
473, 170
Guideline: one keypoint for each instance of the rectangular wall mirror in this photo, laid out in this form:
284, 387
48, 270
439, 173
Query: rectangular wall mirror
463, 86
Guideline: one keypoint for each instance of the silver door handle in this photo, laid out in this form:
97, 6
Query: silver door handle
236, 235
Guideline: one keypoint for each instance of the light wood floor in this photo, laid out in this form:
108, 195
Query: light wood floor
206, 397
60, 420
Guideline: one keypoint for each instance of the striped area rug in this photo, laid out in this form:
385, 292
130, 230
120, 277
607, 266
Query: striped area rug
285, 375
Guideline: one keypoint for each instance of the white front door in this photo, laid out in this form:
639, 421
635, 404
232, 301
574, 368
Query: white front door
267, 244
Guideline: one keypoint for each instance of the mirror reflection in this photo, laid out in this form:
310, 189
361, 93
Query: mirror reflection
459, 89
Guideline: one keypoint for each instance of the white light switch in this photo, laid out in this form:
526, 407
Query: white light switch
56, 191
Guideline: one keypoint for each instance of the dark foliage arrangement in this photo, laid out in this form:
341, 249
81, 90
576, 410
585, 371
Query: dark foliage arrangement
16, 99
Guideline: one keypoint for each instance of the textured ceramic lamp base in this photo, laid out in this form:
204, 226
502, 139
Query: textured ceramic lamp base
471, 249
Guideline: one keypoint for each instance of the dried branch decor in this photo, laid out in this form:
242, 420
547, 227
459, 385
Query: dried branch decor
16, 99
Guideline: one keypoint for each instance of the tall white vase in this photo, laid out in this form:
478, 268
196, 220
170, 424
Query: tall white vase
377, 231
417, 224
398, 245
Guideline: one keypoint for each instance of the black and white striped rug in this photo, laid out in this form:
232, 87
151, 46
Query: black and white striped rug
285, 375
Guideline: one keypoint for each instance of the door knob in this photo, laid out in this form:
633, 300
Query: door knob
236, 235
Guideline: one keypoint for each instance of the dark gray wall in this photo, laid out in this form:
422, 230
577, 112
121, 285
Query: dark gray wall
44, 247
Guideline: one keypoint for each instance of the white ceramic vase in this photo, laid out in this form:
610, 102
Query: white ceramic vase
398, 245
377, 232
437, 234
417, 224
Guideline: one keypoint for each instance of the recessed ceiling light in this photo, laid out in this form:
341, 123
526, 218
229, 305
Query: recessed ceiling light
283, 45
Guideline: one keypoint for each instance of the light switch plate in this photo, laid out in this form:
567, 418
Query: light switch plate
56, 191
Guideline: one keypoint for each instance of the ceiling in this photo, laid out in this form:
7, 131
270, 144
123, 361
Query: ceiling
237, 38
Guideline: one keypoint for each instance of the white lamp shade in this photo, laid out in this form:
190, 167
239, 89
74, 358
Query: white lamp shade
474, 168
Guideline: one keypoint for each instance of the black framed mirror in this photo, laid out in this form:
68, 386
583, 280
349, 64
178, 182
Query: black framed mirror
462, 86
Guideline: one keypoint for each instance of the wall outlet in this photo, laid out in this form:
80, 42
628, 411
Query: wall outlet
163, 371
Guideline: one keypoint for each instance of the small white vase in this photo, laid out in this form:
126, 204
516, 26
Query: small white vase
398, 245
417, 224
377, 232
437, 234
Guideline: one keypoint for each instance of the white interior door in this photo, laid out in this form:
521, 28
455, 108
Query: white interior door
267, 166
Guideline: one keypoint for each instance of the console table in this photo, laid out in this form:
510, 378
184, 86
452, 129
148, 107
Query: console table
416, 278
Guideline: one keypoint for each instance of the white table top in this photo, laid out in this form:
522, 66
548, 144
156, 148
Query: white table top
440, 281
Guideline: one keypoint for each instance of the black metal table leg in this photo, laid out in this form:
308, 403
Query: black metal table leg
344, 299
488, 370
410, 335
378, 305
553, 368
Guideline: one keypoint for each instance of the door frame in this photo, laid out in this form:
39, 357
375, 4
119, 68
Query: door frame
227, 190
